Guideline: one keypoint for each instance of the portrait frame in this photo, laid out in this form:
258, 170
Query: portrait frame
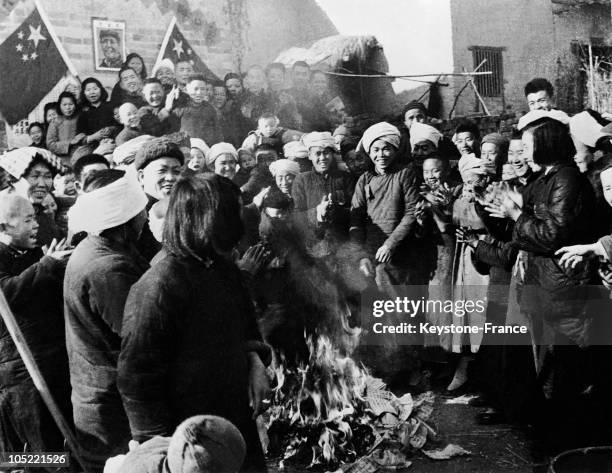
108, 34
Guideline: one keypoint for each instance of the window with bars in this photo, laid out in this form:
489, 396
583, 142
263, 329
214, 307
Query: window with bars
489, 85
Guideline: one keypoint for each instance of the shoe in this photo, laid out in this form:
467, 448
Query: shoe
490, 418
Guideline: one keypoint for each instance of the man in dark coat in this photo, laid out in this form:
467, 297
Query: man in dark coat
98, 278
322, 197
159, 164
32, 284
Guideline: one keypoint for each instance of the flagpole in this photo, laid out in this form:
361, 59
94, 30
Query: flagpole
160, 56
58, 43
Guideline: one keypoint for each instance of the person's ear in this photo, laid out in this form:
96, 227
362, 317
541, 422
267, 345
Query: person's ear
141, 176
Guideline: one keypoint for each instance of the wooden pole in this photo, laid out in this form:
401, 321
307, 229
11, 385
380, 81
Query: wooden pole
591, 78
28, 359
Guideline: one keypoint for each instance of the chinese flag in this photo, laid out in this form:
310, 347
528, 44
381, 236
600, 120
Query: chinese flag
30, 66
177, 48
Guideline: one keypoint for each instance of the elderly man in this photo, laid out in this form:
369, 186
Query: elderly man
31, 280
322, 196
159, 163
98, 278
424, 140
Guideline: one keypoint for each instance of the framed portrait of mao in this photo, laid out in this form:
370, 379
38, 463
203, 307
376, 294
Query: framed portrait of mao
108, 44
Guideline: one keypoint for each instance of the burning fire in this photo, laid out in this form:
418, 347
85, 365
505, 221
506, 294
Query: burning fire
332, 412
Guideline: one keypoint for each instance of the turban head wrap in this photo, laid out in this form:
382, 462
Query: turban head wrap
421, 132
17, 161
323, 139
206, 443
535, 115
380, 131
295, 150
217, 150
200, 144
108, 206
586, 129
284, 166
163, 64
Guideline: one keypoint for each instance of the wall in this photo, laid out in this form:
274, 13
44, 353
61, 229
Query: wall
576, 24
273, 25
523, 27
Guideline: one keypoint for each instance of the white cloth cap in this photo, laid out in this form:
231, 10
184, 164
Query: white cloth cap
108, 206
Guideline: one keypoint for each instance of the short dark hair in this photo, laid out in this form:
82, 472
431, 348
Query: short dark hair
152, 80
300, 64
126, 68
193, 77
537, 84
38, 124
232, 75
203, 217
279, 66
67, 95
552, 142
97, 180
87, 160
348, 143
50, 106
468, 126
516, 135
93, 80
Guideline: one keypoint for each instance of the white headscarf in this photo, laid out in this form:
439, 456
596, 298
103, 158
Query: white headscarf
200, 144
324, 139
108, 206
535, 115
295, 150
421, 132
217, 150
584, 128
284, 165
380, 131
164, 63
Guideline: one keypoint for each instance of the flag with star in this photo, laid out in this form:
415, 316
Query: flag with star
176, 48
31, 64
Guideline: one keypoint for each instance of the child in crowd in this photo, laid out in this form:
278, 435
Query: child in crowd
36, 132
268, 132
199, 118
247, 163
129, 118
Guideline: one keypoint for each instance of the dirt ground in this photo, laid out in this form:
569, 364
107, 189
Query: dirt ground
494, 449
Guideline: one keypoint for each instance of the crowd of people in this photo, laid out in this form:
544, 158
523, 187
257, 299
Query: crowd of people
161, 248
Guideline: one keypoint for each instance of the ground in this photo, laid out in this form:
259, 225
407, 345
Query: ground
495, 449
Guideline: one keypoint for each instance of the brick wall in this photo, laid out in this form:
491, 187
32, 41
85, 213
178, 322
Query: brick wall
273, 25
523, 27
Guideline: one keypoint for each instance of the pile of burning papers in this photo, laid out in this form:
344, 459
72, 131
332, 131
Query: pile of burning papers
332, 413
